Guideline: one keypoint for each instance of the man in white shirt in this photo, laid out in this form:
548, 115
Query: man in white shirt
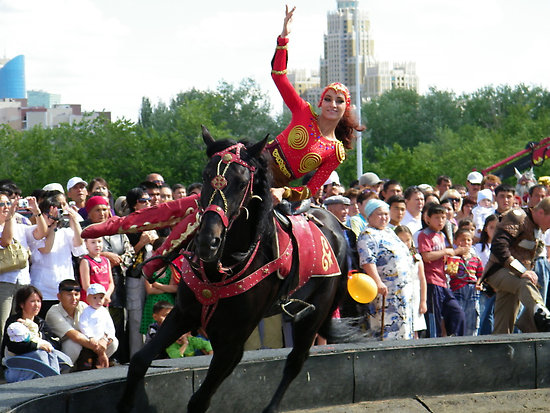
414, 202
64, 320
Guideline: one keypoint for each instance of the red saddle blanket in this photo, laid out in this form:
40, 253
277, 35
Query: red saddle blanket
315, 255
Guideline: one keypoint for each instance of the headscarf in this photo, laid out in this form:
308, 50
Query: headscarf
95, 201
373, 205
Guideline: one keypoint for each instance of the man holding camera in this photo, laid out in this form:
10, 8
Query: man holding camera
52, 256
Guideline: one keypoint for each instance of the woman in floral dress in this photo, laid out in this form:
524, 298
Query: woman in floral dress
385, 258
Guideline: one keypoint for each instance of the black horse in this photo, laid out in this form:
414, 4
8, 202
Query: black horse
236, 232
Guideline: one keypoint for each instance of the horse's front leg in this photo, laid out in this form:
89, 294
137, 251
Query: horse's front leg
171, 329
225, 359
304, 332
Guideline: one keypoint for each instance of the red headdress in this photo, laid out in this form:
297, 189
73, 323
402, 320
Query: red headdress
95, 201
337, 87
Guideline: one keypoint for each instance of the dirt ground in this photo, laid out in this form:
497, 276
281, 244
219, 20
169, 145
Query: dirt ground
525, 401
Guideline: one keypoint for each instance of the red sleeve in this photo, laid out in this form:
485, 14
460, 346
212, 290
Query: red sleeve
321, 175
424, 243
479, 269
278, 73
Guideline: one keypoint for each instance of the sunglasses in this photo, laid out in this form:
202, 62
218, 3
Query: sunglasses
454, 199
71, 289
144, 200
4, 204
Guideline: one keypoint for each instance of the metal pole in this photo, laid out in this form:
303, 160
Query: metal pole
359, 145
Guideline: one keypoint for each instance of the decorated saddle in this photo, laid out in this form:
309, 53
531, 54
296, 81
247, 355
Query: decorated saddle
305, 242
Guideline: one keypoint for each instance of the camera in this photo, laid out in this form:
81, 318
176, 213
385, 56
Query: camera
23, 203
62, 218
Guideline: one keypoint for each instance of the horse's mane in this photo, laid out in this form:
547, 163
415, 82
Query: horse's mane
261, 210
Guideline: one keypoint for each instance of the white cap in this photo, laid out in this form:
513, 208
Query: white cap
18, 332
333, 179
475, 177
75, 180
54, 187
96, 289
426, 188
484, 194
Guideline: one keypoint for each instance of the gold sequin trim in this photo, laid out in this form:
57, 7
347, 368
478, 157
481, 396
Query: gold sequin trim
287, 192
279, 72
282, 47
278, 158
312, 110
340, 152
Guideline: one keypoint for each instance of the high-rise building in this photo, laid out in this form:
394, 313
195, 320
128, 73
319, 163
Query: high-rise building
306, 83
339, 62
384, 76
340, 55
42, 99
12, 78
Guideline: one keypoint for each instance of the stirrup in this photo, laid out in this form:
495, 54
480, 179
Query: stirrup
305, 311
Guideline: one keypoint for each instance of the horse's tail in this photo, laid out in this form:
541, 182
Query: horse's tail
344, 330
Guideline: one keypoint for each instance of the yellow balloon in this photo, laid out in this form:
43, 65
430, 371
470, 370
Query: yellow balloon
361, 287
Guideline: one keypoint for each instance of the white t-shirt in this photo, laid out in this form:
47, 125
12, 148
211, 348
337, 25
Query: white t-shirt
96, 323
411, 222
546, 243
23, 234
48, 270
483, 255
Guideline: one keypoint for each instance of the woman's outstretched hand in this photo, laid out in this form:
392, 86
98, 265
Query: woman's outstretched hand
287, 20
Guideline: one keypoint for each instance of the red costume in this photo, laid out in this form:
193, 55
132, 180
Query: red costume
301, 148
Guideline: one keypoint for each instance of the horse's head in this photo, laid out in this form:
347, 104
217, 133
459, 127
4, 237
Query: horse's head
228, 187
524, 181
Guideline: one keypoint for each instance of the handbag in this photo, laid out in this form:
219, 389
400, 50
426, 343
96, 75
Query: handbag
13, 257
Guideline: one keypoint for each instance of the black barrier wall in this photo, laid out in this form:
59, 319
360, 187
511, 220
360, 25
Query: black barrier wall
339, 374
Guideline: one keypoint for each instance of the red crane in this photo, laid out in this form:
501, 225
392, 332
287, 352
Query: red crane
534, 154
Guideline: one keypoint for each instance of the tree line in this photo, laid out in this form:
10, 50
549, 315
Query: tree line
409, 137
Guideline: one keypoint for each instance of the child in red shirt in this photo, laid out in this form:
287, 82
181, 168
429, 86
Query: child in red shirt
464, 281
95, 269
442, 305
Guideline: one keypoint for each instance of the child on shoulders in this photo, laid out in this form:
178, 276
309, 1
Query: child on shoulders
96, 269
483, 209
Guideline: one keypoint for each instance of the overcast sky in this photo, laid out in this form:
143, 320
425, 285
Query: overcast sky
108, 54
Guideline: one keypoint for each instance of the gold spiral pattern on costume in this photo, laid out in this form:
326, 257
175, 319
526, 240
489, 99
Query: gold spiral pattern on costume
326, 258
309, 162
340, 152
298, 138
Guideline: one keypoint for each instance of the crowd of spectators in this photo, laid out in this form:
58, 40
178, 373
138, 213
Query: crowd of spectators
84, 302
74, 302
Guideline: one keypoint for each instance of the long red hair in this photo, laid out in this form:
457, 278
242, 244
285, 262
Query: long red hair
345, 130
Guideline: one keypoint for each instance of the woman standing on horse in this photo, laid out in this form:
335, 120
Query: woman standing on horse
311, 142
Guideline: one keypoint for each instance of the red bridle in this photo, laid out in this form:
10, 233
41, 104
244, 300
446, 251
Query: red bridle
228, 156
